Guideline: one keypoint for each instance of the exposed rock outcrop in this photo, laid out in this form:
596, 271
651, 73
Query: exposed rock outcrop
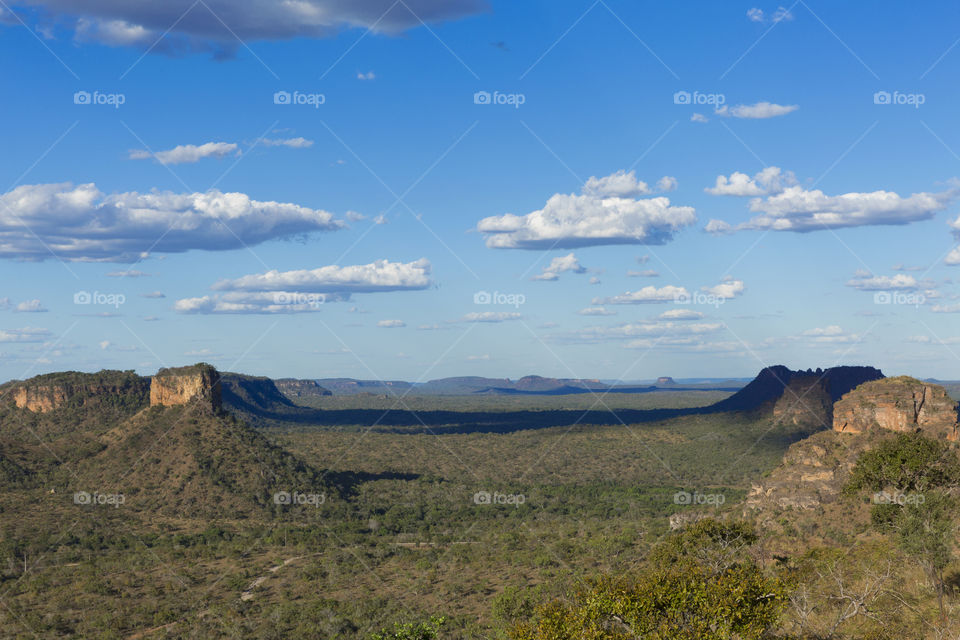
897, 404
49, 392
799, 397
293, 388
180, 386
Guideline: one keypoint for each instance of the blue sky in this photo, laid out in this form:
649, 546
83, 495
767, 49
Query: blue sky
207, 221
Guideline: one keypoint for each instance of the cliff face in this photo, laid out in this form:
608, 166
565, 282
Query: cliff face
805, 400
52, 391
172, 387
897, 404
293, 388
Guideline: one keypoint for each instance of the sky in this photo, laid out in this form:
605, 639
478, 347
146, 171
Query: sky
416, 189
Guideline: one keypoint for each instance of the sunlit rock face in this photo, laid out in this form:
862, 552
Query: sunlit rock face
173, 387
897, 404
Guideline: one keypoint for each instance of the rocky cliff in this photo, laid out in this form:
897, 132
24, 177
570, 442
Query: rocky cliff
200, 382
49, 392
897, 404
293, 388
815, 469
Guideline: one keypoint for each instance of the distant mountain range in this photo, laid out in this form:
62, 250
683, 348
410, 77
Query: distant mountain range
528, 385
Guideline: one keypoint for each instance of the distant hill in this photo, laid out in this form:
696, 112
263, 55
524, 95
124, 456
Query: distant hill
527, 385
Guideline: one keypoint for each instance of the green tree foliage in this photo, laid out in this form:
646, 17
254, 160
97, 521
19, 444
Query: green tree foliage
702, 585
411, 631
908, 462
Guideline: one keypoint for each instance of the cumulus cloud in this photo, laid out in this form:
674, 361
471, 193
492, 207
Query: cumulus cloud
953, 258
680, 314
30, 306
305, 291
391, 324
186, 153
369, 75
656, 331
216, 25
865, 281
728, 288
27, 334
758, 111
829, 335
769, 181
81, 223
607, 212
647, 295
782, 14
797, 209
699, 117
293, 143
560, 265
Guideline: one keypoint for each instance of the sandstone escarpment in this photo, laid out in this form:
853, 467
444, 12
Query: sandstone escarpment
897, 404
53, 391
183, 385
293, 388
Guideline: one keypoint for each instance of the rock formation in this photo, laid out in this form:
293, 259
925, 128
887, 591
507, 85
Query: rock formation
49, 392
293, 388
897, 404
173, 387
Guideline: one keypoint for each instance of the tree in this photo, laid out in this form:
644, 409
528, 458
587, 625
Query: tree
701, 585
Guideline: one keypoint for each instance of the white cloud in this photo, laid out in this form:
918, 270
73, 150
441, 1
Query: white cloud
769, 181
953, 258
293, 143
597, 311
381, 275
370, 75
661, 331
154, 295
782, 14
220, 24
680, 314
755, 14
646, 295
81, 223
30, 306
667, 184
868, 282
728, 288
27, 334
801, 210
560, 265
699, 117
946, 308
646, 273
595, 218
305, 291
490, 316
718, 228
758, 111
829, 335
185, 153
133, 273
594, 280
391, 324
